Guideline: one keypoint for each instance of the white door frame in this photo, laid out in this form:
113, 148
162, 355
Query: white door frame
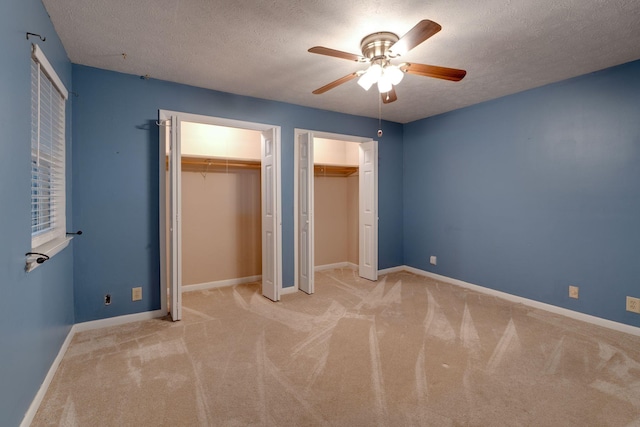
164, 116
316, 134
170, 253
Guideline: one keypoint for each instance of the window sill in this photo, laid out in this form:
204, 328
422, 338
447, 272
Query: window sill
49, 249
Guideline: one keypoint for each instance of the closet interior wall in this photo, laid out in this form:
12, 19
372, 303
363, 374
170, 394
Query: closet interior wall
221, 228
221, 204
335, 202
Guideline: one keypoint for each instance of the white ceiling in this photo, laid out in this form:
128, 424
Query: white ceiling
259, 47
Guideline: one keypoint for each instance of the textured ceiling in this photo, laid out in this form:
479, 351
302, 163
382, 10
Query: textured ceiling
259, 47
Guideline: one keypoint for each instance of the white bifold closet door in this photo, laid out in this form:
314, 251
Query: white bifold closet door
305, 213
175, 229
270, 288
368, 210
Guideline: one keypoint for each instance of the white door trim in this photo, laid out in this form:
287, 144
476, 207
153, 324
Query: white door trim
162, 209
163, 116
175, 220
316, 134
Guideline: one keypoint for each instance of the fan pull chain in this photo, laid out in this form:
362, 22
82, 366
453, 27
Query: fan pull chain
379, 117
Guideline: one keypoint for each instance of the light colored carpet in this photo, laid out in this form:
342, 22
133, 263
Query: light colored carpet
403, 351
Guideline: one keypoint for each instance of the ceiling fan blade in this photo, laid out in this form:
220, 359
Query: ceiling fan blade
335, 83
421, 32
452, 74
320, 50
389, 97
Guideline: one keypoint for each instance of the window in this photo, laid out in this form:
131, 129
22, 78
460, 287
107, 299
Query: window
48, 97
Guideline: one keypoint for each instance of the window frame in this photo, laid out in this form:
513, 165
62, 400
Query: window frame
47, 160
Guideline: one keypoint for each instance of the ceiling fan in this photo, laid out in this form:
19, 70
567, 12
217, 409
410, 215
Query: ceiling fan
378, 49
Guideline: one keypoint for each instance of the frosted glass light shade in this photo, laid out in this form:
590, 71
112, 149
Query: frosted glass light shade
370, 76
384, 84
394, 74
375, 71
365, 82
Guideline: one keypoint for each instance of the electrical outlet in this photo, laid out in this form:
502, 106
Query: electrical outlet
136, 293
573, 292
433, 260
107, 299
633, 305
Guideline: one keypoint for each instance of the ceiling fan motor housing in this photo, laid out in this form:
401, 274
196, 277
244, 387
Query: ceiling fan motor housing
376, 45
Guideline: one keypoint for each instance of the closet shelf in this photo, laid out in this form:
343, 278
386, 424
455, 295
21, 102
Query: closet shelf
217, 164
334, 171
202, 164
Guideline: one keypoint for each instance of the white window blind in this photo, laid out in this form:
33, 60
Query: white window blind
48, 95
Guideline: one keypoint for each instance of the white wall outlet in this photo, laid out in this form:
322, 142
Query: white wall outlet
573, 292
633, 305
433, 260
136, 293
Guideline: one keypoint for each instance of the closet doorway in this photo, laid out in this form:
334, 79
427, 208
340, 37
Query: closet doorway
340, 158
247, 164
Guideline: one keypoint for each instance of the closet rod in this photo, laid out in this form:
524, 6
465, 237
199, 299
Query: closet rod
197, 163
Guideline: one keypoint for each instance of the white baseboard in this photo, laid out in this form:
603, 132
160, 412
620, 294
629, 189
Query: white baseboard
345, 264
118, 320
37, 400
392, 270
616, 326
220, 283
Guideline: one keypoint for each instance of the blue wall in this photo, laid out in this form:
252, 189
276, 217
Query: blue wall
116, 179
36, 309
533, 192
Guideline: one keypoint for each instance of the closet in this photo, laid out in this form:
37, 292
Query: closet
330, 159
335, 203
221, 206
